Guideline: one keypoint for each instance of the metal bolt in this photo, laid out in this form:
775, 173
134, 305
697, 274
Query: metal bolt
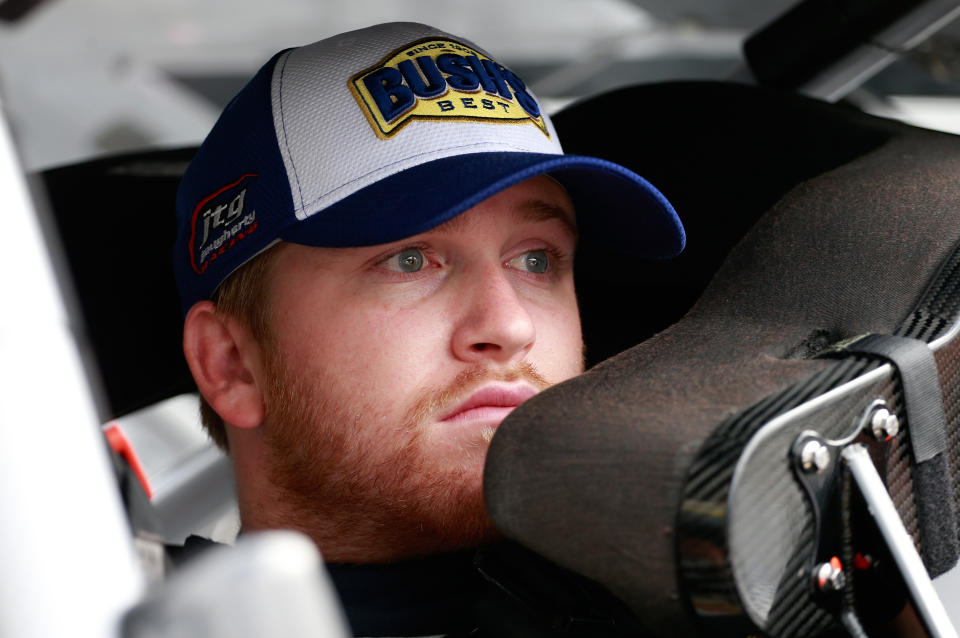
829, 576
884, 424
814, 456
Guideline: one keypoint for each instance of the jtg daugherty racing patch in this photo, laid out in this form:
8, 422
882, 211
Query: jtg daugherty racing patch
219, 221
440, 79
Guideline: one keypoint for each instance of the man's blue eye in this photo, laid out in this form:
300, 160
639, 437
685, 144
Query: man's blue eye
535, 261
407, 260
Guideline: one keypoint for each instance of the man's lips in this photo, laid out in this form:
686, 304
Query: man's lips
490, 403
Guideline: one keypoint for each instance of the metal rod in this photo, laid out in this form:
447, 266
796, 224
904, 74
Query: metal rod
925, 598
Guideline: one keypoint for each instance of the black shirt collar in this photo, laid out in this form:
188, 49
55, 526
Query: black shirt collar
423, 597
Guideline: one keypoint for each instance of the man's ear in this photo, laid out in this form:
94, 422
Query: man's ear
221, 355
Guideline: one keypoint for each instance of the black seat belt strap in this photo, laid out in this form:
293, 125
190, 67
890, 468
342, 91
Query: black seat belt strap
926, 424
923, 402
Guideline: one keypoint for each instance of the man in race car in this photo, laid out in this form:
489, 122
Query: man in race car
375, 260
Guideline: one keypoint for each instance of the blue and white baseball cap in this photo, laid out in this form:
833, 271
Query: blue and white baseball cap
375, 135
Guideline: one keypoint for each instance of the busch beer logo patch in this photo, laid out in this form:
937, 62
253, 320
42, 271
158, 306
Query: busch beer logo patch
219, 222
437, 79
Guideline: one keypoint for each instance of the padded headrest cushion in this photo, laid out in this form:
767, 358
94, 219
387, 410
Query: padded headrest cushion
115, 216
590, 472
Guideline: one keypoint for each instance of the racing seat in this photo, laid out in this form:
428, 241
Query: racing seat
118, 251
711, 476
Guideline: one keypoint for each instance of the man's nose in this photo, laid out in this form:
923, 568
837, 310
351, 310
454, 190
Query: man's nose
493, 322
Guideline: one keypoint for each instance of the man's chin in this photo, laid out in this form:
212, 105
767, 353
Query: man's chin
469, 534
375, 493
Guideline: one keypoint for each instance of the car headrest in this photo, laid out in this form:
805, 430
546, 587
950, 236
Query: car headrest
116, 223
825, 223
723, 154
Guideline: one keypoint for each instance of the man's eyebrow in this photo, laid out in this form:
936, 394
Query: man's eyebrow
538, 210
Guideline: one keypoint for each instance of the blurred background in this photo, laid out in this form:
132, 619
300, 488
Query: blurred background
94, 77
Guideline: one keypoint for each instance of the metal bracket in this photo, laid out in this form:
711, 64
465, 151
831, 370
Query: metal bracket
819, 464
817, 467
899, 543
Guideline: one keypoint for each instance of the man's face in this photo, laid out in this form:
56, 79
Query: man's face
388, 367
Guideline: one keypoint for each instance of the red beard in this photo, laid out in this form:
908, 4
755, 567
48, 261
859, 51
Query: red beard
369, 491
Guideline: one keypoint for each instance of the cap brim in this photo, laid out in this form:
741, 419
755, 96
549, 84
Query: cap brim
614, 205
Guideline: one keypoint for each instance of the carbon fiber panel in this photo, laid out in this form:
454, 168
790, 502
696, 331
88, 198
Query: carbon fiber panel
747, 531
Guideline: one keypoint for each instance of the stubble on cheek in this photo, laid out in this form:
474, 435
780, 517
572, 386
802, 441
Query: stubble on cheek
343, 473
